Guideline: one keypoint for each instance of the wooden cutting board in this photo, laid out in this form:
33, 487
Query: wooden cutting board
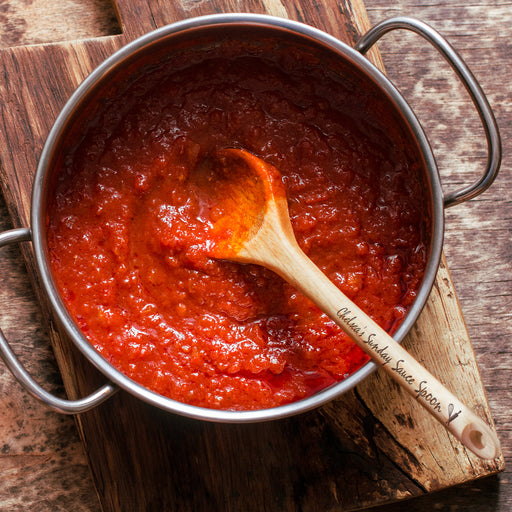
372, 446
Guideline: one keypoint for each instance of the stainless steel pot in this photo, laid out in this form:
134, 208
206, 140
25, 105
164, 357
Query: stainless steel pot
223, 23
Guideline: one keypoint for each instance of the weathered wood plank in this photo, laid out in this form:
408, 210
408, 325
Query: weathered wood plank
478, 242
35, 22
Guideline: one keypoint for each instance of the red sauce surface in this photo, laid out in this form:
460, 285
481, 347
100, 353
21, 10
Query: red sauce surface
126, 229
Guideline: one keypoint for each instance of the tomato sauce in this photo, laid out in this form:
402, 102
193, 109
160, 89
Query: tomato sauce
128, 230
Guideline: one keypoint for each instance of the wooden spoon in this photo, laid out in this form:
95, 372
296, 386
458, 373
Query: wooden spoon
255, 228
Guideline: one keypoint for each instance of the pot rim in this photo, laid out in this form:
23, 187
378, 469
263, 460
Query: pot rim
342, 50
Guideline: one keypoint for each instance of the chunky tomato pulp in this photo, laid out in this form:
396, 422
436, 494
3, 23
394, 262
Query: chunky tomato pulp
128, 230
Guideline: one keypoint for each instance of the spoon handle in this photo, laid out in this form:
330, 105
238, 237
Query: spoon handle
296, 268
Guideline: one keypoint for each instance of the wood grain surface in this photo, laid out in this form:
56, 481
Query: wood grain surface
478, 238
42, 464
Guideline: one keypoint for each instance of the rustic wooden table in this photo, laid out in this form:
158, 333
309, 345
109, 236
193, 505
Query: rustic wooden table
48, 471
479, 234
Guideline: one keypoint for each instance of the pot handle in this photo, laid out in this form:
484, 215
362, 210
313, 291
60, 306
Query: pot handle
24, 378
472, 86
